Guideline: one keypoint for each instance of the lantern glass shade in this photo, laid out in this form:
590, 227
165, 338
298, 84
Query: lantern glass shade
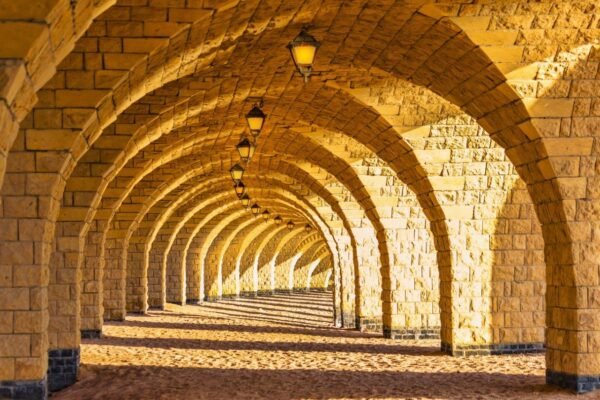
304, 49
240, 189
255, 209
255, 119
246, 149
307, 228
266, 214
277, 220
290, 225
237, 173
245, 199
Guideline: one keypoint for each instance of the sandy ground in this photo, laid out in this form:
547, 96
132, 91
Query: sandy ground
283, 347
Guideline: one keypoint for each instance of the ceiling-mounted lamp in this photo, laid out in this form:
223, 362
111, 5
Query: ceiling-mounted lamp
237, 173
256, 119
246, 149
304, 49
278, 220
290, 225
245, 199
266, 214
239, 188
255, 209
307, 228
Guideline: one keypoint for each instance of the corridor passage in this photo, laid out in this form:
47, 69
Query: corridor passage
284, 347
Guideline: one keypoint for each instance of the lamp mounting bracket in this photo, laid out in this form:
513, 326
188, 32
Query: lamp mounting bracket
259, 101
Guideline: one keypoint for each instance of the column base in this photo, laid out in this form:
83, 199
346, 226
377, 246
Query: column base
577, 383
63, 366
411, 333
347, 321
283, 291
212, 298
248, 294
192, 301
492, 349
369, 324
24, 390
91, 334
157, 308
230, 296
265, 293
299, 290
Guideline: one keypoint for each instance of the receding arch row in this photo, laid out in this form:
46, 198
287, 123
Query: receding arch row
228, 188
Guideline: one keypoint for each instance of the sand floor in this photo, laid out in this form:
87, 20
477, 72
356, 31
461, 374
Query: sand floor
283, 347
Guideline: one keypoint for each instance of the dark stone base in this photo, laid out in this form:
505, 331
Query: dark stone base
282, 291
265, 293
91, 334
63, 365
411, 333
192, 301
577, 383
24, 390
492, 349
212, 298
347, 321
136, 312
369, 324
230, 296
248, 294
157, 308
317, 290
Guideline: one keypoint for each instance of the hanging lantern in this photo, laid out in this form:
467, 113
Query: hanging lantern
237, 173
256, 119
277, 220
245, 199
246, 149
240, 188
255, 209
290, 225
304, 49
307, 228
266, 214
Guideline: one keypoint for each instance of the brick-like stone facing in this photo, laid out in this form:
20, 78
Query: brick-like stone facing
91, 334
411, 333
248, 294
492, 349
63, 365
577, 383
24, 390
369, 324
